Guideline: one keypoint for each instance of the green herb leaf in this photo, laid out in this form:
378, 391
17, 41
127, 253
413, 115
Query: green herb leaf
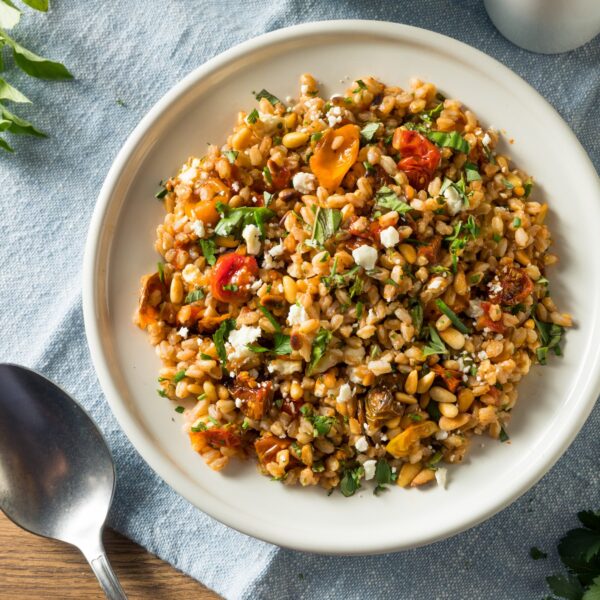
436, 346
231, 155
428, 116
565, 587
367, 133
550, 336
41, 5
361, 86
270, 97
444, 308
18, 125
162, 192
451, 139
315, 137
528, 186
161, 272
327, 222
179, 409
516, 222
281, 344
265, 311
179, 376
161, 393
416, 313
34, 65
322, 424
503, 437
415, 417
8, 92
220, 336
471, 172
234, 220
252, 117
194, 296
359, 309
319, 346
383, 472
434, 411
537, 554
209, 249
200, 426
386, 198
204, 356
350, 481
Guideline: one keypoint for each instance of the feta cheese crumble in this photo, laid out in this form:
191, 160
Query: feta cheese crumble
296, 315
305, 183
183, 332
361, 444
251, 235
369, 467
199, 228
440, 476
334, 116
453, 200
277, 250
486, 139
239, 340
365, 256
345, 393
389, 237
189, 175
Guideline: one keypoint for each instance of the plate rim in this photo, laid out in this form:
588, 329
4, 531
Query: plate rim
91, 300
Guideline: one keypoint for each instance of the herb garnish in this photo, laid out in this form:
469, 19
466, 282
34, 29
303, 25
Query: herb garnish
503, 437
265, 311
315, 137
444, 308
270, 97
233, 220
231, 155
436, 346
459, 186
383, 475
179, 376
194, 296
220, 336
458, 240
367, 133
161, 272
350, 481
451, 139
550, 335
416, 313
319, 346
252, 117
327, 222
335, 279
387, 198
361, 86
528, 186
179, 409
209, 248
160, 194
281, 345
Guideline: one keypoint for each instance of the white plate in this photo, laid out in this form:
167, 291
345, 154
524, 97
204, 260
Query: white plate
554, 401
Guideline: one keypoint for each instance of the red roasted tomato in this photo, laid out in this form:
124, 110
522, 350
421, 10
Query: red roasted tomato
515, 286
451, 378
232, 276
420, 157
486, 321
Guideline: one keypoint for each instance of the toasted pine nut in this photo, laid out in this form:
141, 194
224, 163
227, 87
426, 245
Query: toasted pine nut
424, 476
443, 323
241, 138
408, 252
295, 139
290, 289
465, 399
176, 290
448, 424
440, 394
454, 338
407, 473
410, 385
425, 382
448, 410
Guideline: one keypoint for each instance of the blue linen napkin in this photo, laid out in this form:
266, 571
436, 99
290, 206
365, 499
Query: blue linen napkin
124, 56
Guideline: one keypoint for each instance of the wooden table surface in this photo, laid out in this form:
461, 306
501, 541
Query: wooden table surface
34, 567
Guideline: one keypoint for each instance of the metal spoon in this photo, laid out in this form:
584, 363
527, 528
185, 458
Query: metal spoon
56, 473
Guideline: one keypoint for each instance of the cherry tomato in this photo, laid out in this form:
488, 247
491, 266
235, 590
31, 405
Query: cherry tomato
486, 321
216, 437
329, 165
255, 397
268, 446
450, 377
516, 286
232, 276
420, 157
430, 250
280, 177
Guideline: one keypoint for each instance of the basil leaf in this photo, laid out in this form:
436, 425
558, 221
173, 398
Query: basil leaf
503, 437
369, 130
35, 65
350, 481
383, 472
18, 125
194, 297
252, 117
550, 336
231, 155
257, 348
270, 97
451, 139
444, 308
220, 336
179, 376
8, 92
327, 222
471, 172
281, 344
528, 186
434, 113
319, 346
436, 346
235, 219
179, 409
209, 249
5, 145
162, 192
416, 312
387, 198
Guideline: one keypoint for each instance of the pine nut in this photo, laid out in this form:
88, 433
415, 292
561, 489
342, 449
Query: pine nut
454, 338
176, 290
448, 410
425, 382
295, 139
410, 385
440, 394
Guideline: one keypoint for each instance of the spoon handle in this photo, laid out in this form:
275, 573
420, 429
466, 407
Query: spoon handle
103, 571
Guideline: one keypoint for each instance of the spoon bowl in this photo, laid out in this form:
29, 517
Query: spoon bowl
57, 476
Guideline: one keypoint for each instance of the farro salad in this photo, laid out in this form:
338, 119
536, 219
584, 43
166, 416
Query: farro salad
351, 287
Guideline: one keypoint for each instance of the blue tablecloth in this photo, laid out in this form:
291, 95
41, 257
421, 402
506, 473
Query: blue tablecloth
124, 56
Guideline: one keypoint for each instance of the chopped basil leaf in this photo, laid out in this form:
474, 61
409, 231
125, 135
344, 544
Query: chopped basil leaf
199, 427
503, 437
327, 222
204, 356
252, 117
267, 197
357, 287
319, 346
435, 459
231, 155
550, 336
161, 393
415, 417
471, 172
179, 409
528, 186
387, 198
179, 376
390, 281
245, 424
209, 248
369, 130
383, 472
220, 336
434, 113
369, 168
321, 424
272, 99
161, 272
434, 410
281, 344
162, 192
361, 86
451, 139
231, 287
233, 220
267, 175
516, 222
444, 308
265, 311
318, 467
507, 184
315, 137
496, 237
194, 296
350, 481
359, 309
436, 346
543, 280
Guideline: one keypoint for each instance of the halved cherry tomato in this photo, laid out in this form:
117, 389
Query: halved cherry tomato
371, 233
216, 437
152, 294
420, 157
430, 250
232, 276
450, 377
255, 397
329, 165
516, 286
268, 446
206, 210
280, 177
486, 321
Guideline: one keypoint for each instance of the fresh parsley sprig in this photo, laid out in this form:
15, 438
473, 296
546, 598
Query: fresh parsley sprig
233, 220
29, 62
